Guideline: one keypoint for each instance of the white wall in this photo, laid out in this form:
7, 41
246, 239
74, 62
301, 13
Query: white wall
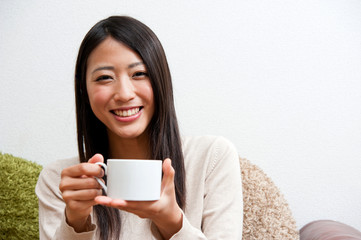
281, 79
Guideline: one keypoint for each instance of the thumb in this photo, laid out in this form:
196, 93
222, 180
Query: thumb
168, 173
96, 158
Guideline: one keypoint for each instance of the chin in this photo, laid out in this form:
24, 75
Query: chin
130, 135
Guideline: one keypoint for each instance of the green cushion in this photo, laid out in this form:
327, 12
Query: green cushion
18, 202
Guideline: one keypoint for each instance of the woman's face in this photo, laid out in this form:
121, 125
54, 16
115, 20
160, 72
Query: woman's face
119, 89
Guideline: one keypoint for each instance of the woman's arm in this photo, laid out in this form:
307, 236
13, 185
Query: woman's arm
222, 205
79, 188
54, 212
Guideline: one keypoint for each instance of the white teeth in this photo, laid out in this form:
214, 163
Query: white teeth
126, 113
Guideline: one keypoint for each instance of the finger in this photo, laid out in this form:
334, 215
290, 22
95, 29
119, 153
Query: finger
122, 204
96, 158
81, 169
141, 208
81, 195
103, 200
109, 202
134, 205
115, 203
68, 183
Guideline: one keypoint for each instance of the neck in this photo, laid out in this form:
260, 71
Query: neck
134, 148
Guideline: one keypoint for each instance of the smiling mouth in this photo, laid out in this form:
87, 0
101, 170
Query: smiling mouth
128, 112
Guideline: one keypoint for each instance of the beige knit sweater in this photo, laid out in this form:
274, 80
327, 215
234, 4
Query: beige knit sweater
213, 206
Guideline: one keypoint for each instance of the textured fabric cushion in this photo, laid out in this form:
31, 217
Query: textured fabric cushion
266, 212
18, 202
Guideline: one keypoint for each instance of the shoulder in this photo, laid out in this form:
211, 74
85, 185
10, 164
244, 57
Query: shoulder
206, 144
204, 141
208, 152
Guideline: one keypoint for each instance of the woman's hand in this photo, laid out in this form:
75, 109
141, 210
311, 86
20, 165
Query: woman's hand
165, 212
79, 188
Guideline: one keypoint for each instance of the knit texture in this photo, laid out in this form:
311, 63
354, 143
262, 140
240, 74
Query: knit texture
18, 202
266, 214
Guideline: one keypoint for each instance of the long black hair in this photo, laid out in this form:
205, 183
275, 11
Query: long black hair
163, 128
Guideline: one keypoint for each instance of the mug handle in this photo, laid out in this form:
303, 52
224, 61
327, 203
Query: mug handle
104, 166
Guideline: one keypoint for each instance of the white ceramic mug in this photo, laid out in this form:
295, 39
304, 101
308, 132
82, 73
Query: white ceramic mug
132, 179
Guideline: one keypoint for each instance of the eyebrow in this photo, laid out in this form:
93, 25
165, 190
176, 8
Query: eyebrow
132, 65
135, 64
103, 68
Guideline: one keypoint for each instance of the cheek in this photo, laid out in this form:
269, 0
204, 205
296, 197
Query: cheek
148, 94
97, 97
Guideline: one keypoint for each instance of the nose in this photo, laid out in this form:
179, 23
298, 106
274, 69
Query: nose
124, 89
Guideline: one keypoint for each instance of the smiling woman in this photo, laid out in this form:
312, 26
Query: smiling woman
120, 91
125, 110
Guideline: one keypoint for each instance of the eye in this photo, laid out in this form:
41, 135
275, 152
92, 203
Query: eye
140, 75
103, 77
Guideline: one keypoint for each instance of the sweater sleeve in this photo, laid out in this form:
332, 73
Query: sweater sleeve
222, 215
52, 223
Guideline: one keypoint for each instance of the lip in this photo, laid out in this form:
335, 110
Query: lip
126, 108
128, 118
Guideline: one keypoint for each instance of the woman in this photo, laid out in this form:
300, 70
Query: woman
125, 109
